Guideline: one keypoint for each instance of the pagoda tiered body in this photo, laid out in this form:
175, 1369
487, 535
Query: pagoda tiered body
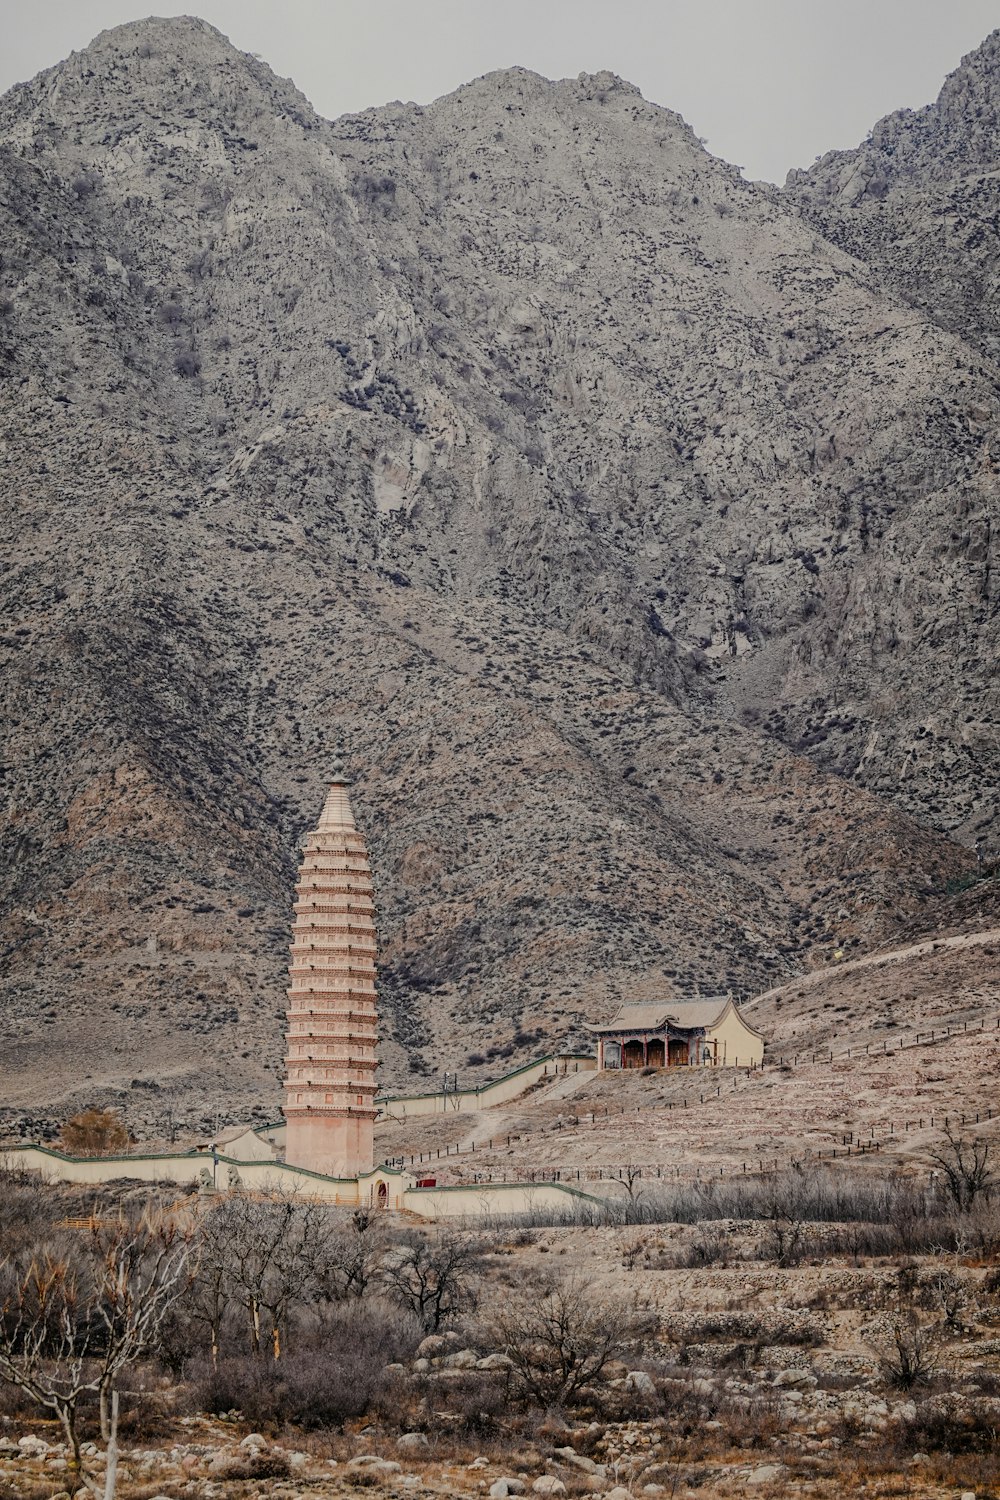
330, 1078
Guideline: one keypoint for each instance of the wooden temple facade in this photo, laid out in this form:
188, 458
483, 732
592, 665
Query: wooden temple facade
710, 1032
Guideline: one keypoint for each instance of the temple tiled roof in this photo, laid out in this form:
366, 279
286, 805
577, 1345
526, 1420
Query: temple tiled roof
686, 1015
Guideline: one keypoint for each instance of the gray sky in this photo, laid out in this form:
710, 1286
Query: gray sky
769, 84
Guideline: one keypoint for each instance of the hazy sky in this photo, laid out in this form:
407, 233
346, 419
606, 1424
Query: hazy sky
769, 84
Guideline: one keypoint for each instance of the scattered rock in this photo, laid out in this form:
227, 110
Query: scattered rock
371, 1463
434, 1346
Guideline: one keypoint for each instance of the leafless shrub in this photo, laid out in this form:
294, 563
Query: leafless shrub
709, 1246
85, 183
948, 1294
378, 192
632, 1252
953, 1423
562, 1341
906, 1346
28, 1210
186, 364
171, 314
94, 1132
338, 1376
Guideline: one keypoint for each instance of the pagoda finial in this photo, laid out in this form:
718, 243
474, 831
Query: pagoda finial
340, 776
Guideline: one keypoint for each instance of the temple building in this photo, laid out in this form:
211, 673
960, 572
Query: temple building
679, 1033
330, 1065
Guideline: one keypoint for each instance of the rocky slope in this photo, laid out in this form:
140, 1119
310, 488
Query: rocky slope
635, 536
918, 200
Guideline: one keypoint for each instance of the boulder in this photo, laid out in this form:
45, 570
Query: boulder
548, 1484
32, 1447
641, 1382
766, 1474
495, 1362
578, 1460
413, 1440
462, 1359
500, 1489
796, 1380
253, 1440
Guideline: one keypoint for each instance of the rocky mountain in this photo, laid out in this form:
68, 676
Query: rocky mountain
918, 201
633, 531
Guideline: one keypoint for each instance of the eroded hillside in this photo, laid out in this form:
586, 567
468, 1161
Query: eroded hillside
607, 510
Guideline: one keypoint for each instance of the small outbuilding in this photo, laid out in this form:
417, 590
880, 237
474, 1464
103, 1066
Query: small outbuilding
711, 1032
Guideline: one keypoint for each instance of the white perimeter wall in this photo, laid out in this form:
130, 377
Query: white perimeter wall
493, 1199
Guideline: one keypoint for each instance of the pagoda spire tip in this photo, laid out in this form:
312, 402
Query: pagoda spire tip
339, 777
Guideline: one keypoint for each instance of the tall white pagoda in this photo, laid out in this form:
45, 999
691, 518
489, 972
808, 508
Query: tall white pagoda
330, 1075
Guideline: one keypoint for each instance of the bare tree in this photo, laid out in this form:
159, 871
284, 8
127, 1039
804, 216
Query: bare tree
209, 1295
563, 1340
965, 1168
349, 1259
70, 1324
630, 1178
433, 1275
273, 1247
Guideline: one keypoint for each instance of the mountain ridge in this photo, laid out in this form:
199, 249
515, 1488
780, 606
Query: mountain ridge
524, 441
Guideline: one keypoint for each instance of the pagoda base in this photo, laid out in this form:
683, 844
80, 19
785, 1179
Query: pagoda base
336, 1146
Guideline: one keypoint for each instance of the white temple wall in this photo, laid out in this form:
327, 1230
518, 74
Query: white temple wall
738, 1045
466, 1101
391, 1190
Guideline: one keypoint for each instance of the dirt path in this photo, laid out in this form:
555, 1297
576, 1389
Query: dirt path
928, 945
493, 1123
